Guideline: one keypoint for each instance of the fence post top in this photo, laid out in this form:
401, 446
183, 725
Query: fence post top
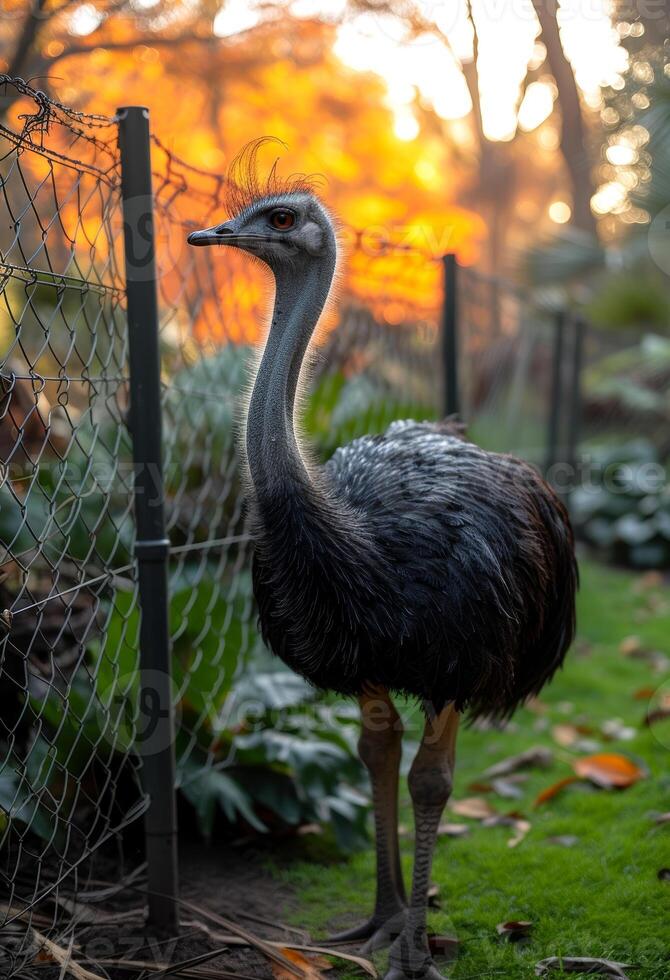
126, 110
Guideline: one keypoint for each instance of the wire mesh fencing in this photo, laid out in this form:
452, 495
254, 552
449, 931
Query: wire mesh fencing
78, 743
69, 775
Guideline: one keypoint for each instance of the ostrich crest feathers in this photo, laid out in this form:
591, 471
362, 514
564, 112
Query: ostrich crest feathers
244, 185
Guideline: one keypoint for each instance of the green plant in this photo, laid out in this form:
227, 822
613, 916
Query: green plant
634, 299
624, 510
254, 745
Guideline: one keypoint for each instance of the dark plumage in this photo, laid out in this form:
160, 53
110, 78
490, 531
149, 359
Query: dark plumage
412, 561
450, 576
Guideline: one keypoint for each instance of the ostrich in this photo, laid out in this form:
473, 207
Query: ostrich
412, 563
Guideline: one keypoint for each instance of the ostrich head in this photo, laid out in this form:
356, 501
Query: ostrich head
281, 222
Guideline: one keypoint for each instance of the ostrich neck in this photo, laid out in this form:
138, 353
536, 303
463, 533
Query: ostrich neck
272, 447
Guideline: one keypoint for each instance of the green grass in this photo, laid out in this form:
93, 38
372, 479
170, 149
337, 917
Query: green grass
600, 897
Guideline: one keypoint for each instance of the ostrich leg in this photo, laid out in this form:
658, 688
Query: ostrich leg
430, 781
380, 748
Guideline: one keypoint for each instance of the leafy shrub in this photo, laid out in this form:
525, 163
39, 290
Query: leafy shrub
631, 300
255, 746
624, 511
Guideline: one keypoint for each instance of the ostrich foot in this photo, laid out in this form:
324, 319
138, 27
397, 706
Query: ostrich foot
411, 960
430, 972
378, 931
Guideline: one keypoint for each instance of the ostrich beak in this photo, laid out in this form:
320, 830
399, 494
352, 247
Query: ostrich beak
217, 235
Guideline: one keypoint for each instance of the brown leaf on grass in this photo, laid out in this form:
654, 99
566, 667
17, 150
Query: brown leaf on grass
509, 787
434, 897
360, 961
443, 945
521, 828
514, 930
537, 755
551, 791
632, 646
474, 807
659, 713
608, 770
614, 729
569, 735
565, 735
644, 693
312, 968
453, 830
582, 964
515, 820
649, 580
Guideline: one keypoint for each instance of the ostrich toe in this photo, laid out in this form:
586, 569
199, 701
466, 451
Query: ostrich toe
428, 972
377, 932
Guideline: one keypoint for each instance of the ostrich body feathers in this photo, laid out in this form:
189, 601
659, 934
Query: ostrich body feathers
422, 563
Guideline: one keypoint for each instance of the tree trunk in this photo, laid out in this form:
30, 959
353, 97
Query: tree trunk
573, 134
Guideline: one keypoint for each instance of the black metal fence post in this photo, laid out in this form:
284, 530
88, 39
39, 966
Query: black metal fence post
555, 394
451, 394
156, 712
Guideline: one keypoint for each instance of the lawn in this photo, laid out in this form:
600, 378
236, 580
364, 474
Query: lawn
596, 893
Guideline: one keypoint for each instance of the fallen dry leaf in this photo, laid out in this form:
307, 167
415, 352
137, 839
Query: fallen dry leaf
650, 580
51, 952
536, 706
453, 830
311, 968
644, 693
582, 964
514, 930
443, 945
564, 734
521, 827
474, 807
631, 646
509, 787
614, 729
608, 770
538, 755
478, 787
360, 961
660, 712
515, 820
551, 791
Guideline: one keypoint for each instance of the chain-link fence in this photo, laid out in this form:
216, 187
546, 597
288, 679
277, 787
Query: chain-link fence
69, 774
79, 736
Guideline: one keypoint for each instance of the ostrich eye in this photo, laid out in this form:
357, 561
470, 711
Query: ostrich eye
282, 219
